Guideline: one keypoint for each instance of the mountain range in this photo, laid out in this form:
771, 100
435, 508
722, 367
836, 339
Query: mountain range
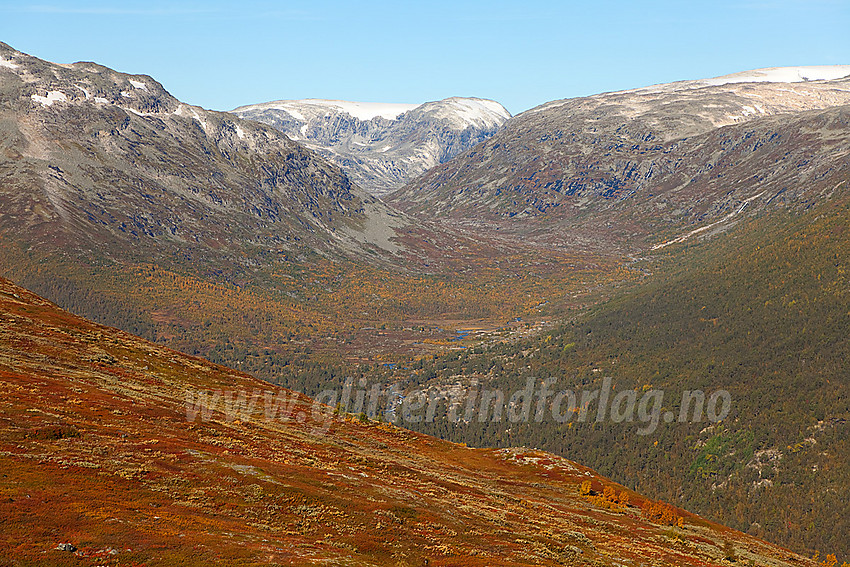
383, 146
629, 170
99, 160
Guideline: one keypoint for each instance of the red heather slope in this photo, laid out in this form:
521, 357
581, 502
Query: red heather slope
96, 450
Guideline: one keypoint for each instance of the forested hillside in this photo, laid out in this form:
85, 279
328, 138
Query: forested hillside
763, 314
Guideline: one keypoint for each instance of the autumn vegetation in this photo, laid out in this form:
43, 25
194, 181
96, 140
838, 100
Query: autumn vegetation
96, 450
761, 313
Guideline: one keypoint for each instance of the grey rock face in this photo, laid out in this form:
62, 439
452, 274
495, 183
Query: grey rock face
383, 146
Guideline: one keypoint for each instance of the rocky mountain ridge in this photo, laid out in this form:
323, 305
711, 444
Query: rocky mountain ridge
101, 160
383, 146
604, 167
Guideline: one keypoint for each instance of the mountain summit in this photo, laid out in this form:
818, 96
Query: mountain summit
382, 145
802, 74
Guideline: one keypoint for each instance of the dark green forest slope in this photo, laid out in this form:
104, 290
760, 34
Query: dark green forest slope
762, 312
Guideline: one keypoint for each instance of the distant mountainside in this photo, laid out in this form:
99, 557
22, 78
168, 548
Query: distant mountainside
800, 74
383, 146
119, 451
96, 160
632, 169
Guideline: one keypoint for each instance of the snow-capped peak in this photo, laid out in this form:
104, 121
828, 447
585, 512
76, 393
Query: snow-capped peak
383, 154
767, 75
359, 110
480, 106
477, 110
469, 110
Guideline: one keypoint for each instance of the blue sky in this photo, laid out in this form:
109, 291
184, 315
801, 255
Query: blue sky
224, 54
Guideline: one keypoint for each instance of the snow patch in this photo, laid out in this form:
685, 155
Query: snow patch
125, 94
767, 75
7, 64
52, 96
181, 111
139, 85
746, 111
294, 113
200, 120
240, 132
85, 92
477, 111
783, 75
101, 100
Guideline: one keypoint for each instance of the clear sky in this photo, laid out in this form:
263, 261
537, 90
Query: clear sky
220, 55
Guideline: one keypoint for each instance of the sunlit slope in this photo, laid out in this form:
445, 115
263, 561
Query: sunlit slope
99, 450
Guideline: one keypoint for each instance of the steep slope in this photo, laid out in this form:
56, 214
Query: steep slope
633, 168
761, 313
383, 146
110, 458
96, 160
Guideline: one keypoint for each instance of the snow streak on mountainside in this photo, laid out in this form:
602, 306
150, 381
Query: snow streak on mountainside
381, 145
